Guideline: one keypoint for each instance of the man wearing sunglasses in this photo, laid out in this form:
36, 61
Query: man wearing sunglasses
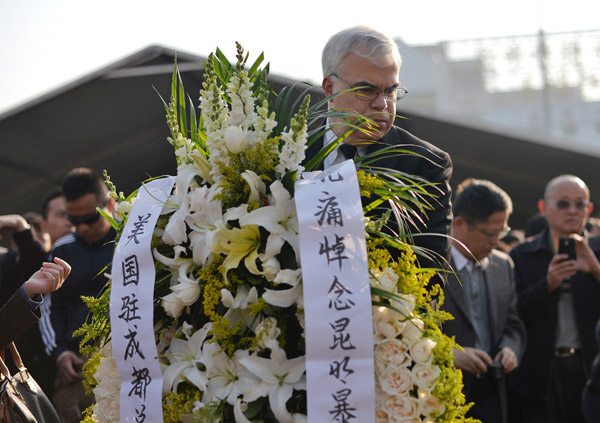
559, 302
360, 75
89, 250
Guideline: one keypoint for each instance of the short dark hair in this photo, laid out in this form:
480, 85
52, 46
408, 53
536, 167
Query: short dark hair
477, 199
34, 220
82, 181
55, 193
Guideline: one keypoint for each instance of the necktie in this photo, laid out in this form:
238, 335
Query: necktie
349, 151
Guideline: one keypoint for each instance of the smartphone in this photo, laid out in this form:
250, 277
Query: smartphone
566, 246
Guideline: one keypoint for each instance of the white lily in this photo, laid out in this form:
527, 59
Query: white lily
184, 357
176, 231
279, 377
286, 297
185, 290
257, 186
279, 219
238, 306
227, 379
204, 219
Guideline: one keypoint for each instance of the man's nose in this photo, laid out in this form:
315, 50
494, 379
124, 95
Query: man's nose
380, 102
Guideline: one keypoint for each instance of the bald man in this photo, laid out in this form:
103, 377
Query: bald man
559, 302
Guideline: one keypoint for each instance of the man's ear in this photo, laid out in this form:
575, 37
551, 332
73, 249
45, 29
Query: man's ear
110, 205
327, 85
542, 206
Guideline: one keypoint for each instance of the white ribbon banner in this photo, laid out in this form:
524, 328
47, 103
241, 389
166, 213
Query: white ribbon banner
337, 297
131, 308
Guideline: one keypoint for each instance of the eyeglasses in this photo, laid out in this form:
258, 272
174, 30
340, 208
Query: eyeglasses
366, 93
565, 205
88, 219
498, 235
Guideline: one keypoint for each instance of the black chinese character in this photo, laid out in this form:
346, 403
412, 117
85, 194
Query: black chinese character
140, 415
133, 346
332, 178
335, 251
341, 338
337, 367
129, 308
130, 271
342, 412
329, 210
138, 228
339, 290
140, 382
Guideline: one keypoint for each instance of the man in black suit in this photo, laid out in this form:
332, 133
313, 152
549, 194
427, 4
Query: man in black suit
360, 73
481, 296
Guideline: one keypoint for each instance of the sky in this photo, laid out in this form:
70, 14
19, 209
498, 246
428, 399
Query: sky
45, 44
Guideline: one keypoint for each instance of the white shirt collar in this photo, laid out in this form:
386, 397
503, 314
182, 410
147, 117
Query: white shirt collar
461, 261
336, 156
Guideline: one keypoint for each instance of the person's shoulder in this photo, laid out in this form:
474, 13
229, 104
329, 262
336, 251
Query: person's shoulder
499, 256
594, 242
529, 245
65, 241
418, 145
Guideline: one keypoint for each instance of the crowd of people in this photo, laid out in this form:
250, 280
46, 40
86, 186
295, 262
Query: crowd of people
526, 314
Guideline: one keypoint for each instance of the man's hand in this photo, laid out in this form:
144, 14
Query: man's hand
12, 223
507, 358
586, 259
472, 360
48, 279
560, 268
68, 366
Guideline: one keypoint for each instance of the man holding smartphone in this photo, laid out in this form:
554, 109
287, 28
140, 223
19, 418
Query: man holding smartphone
559, 302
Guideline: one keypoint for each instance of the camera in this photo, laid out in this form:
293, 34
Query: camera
495, 370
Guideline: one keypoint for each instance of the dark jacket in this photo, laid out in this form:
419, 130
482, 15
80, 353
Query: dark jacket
538, 309
87, 278
16, 317
431, 164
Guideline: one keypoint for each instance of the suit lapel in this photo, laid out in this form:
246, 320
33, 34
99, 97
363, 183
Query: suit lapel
455, 289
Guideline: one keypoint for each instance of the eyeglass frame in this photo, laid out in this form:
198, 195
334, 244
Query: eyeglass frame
491, 235
566, 205
397, 97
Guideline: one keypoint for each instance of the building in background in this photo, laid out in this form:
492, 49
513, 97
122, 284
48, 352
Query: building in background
544, 87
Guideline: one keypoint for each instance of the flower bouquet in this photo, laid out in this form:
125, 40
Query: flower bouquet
228, 305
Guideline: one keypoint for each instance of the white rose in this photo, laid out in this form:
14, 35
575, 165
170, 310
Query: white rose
381, 416
400, 408
412, 331
388, 280
235, 139
172, 305
271, 267
396, 380
405, 305
422, 351
430, 405
385, 324
266, 330
425, 376
392, 352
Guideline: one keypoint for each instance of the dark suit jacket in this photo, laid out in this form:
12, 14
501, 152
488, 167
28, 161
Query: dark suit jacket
15, 318
431, 164
507, 329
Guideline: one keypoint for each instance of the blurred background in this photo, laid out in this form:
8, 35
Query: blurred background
510, 89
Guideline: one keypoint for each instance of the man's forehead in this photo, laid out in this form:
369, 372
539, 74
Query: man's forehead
567, 188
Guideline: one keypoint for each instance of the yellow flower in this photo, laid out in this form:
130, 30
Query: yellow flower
237, 244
